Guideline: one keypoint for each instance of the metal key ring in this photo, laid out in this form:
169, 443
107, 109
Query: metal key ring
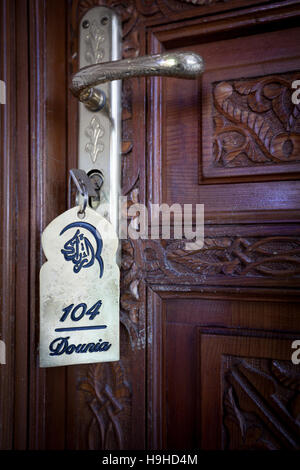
83, 206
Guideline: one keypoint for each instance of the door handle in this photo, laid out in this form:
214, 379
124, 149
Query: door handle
170, 64
97, 85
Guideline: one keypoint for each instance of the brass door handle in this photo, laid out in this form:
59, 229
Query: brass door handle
174, 64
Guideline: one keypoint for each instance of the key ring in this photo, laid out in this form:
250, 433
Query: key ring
83, 206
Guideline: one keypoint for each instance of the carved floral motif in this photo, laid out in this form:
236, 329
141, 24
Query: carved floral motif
107, 394
132, 9
255, 122
133, 289
130, 299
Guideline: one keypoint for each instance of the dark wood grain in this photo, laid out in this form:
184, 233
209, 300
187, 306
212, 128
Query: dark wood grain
7, 214
22, 222
54, 153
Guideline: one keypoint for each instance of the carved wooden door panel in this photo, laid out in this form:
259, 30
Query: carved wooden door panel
206, 334
206, 347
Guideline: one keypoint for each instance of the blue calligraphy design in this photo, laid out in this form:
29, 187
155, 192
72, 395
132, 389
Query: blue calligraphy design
80, 250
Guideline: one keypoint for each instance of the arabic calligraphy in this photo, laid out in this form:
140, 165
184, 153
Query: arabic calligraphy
80, 250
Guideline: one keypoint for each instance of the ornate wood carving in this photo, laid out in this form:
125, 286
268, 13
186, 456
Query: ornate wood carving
255, 122
107, 394
133, 295
131, 10
261, 403
230, 257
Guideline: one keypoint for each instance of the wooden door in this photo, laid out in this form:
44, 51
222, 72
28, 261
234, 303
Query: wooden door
206, 335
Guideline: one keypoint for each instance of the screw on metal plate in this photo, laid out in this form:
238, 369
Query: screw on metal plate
85, 24
104, 20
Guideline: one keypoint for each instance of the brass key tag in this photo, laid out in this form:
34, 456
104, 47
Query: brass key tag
79, 291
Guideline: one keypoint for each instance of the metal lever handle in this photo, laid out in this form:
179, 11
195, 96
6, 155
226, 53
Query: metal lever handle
173, 64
